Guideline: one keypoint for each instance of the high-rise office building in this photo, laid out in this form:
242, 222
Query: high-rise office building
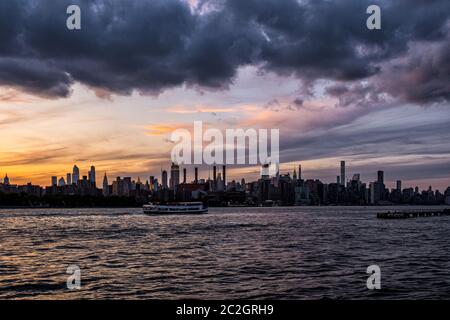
105, 186
376, 190
75, 174
219, 183
399, 185
174, 176
380, 177
61, 182
54, 181
152, 183
164, 179
92, 177
343, 173
299, 172
69, 179
224, 170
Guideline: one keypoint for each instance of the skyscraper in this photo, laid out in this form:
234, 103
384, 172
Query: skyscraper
399, 185
69, 179
375, 192
164, 179
61, 182
54, 181
174, 176
105, 186
224, 170
299, 172
152, 183
92, 177
343, 173
380, 175
75, 174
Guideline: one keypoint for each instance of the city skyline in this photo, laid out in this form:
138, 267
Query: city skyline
374, 98
192, 172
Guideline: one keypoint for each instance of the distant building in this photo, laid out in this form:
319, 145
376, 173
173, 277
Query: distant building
61, 182
343, 173
92, 177
164, 179
376, 192
105, 190
399, 185
69, 179
54, 181
75, 174
380, 177
174, 176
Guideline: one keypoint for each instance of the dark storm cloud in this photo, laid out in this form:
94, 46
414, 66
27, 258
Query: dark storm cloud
151, 45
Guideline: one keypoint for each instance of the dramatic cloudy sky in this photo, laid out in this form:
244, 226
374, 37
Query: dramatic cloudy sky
110, 94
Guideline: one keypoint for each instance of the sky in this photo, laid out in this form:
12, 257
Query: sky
111, 93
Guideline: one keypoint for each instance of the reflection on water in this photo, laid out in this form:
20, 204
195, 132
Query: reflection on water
280, 253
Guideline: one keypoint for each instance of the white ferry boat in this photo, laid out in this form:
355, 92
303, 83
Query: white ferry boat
175, 208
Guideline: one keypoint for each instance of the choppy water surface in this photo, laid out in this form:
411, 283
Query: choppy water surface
256, 253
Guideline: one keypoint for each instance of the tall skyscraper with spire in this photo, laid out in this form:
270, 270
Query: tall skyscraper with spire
105, 186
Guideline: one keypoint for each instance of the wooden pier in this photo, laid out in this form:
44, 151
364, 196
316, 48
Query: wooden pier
412, 214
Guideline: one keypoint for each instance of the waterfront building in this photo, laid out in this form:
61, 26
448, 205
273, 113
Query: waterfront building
164, 179
105, 190
343, 173
61, 182
174, 176
92, 177
75, 174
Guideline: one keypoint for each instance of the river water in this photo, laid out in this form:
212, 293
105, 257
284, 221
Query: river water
249, 253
